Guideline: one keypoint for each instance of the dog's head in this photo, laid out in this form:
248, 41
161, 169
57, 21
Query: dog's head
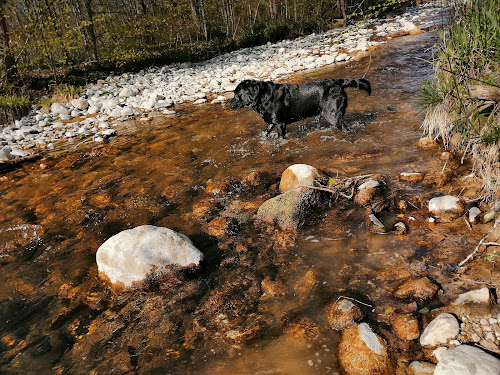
246, 94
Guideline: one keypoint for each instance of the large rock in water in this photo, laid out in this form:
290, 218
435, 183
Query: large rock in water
467, 360
363, 352
132, 255
290, 210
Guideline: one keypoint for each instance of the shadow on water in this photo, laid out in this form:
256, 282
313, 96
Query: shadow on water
257, 305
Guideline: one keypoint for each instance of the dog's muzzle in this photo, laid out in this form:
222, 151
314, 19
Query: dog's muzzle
235, 104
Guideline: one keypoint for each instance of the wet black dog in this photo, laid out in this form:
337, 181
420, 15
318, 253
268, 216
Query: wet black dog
280, 104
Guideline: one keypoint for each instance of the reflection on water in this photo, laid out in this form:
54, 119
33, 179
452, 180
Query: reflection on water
257, 306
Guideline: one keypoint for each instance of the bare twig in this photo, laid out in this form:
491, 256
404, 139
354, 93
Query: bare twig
354, 299
328, 190
471, 255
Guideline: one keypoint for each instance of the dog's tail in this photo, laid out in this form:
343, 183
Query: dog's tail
360, 84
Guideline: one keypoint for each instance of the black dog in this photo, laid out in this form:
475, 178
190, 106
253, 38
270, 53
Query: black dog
280, 104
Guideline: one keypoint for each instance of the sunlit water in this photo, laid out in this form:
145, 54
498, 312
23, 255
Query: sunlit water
56, 315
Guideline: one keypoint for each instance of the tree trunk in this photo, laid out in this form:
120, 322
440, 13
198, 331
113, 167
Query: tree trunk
90, 28
9, 62
344, 12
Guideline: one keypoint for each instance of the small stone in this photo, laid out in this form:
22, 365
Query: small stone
343, 313
80, 104
474, 215
481, 295
446, 207
405, 327
374, 225
400, 228
59, 109
411, 177
427, 143
417, 289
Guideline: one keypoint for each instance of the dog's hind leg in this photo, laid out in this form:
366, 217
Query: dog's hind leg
282, 130
333, 110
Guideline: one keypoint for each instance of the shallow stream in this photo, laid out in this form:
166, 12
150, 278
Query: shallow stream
257, 306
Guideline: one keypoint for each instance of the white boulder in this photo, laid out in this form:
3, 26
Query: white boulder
467, 360
80, 104
59, 109
132, 255
440, 331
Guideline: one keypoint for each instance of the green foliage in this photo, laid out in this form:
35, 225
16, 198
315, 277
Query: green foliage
15, 103
68, 90
469, 54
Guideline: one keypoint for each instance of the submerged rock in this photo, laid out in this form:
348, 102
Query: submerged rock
405, 327
290, 210
363, 352
440, 331
298, 175
133, 255
446, 207
343, 314
419, 289
467, 360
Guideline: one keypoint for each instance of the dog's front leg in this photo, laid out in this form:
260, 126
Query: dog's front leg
269, 128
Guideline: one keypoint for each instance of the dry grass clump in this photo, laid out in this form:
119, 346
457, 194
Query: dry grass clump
462, 99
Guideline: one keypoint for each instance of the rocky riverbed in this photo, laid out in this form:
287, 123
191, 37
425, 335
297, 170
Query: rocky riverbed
97, 113
291, 280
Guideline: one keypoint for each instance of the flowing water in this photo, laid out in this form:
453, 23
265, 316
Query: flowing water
257, 305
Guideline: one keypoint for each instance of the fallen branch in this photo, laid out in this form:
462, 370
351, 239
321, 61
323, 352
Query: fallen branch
471, 255
328, 190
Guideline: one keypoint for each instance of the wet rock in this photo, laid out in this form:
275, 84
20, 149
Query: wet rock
420, 368
467, 360
417, 289
427, 143
411, 177
219, 227
133, 255
363, 352
474, 215
367, 192
297, 175
487, 217
252, 178
405, 327
302, 328
290, 210
446, 207
400, 228
374, 225
219, 188
342, 314
441, 330
272, 288
474, 296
